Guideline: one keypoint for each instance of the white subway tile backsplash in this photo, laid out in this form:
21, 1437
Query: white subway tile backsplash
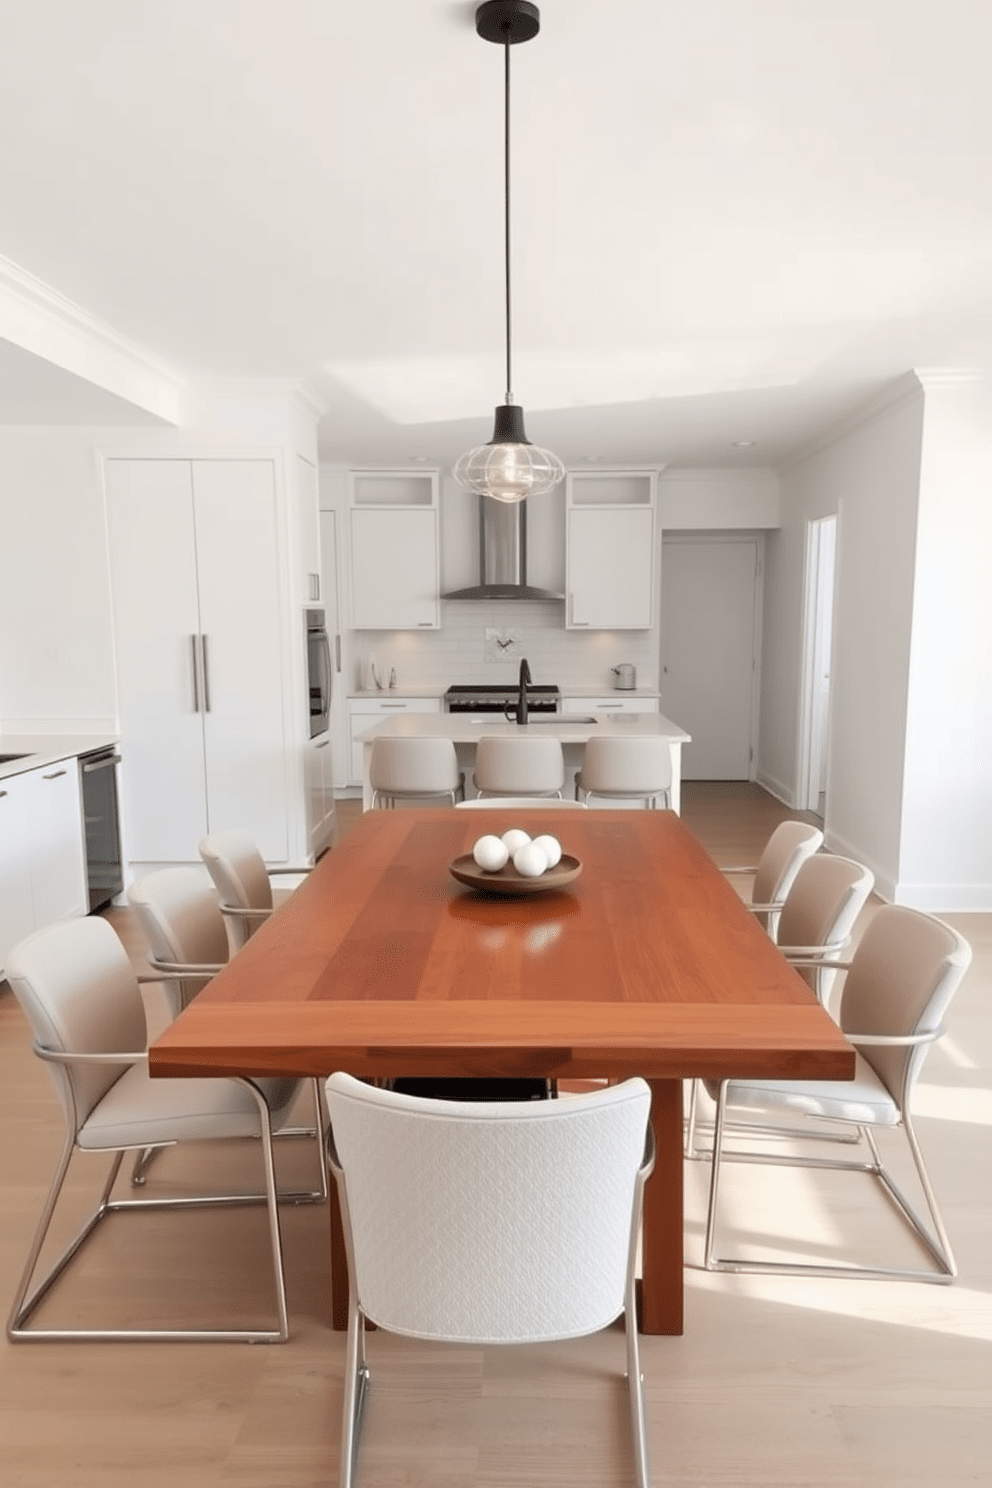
457, 652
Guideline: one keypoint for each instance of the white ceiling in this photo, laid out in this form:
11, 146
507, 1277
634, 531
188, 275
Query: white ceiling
733, 219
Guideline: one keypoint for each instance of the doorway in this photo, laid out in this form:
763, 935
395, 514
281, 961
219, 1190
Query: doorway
821, 550
709, 649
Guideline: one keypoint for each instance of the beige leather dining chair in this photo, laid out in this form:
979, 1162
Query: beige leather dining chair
898, 986
817, 920
518, 765
242, 880
475, 1223
82, 1001
414, 769
626, 768
786, 850
179, 912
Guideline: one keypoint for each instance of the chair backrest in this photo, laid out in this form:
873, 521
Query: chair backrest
510, 765
489, 1222
904, 972
826, 897
237, 869
523, 803
411, 766
80, 995
785, 852
634, 763
180, 915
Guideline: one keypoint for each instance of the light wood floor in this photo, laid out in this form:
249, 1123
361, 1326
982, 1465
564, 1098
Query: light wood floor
777, 1381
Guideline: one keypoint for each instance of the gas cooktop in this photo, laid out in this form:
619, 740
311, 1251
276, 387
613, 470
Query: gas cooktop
487, 697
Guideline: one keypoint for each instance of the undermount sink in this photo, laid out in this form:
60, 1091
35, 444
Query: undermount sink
561, 718
5, 759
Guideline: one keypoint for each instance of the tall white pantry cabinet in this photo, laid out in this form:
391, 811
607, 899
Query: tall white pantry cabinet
194, 549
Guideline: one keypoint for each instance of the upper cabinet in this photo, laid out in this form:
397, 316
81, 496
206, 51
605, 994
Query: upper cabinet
610, 549
394, 550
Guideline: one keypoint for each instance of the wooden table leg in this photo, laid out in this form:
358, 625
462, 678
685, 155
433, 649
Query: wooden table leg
339, 1266
663, 1238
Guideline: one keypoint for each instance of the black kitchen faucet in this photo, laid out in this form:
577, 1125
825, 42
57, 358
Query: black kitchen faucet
522, 698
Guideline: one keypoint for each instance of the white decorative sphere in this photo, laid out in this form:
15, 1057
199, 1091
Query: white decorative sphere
490, 854
529, 860
515, 838
551, 848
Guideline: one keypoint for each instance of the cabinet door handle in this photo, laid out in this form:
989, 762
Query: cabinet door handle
3, 793
54, 775
603, 706
206, 675
337, 653
392, 705
196, 674
111, 759
323, 744
428, 623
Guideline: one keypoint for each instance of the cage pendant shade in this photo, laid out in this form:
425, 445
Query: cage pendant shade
508, 468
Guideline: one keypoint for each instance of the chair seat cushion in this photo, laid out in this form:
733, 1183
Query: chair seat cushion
864, 1098
138, 1111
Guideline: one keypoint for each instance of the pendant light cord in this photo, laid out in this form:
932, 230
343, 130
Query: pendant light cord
506, 209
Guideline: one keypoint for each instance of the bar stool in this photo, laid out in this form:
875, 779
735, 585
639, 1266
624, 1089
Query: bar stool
404, 769
509, 765
626, 768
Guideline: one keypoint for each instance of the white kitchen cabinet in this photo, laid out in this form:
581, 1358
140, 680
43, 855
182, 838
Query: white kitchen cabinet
609, 702
395, 579
42, 851
610, 550
307, 531
364, 713
319, 794
198, 629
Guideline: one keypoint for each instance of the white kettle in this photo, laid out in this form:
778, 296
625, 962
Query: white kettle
626, 676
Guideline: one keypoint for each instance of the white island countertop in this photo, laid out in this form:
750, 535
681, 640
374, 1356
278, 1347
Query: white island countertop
466, 729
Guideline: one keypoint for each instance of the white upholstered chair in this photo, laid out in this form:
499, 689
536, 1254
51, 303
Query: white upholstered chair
81, 998
897, 989
518, 765
784, 853
242, 880
489, 1223
412, 769
626, 768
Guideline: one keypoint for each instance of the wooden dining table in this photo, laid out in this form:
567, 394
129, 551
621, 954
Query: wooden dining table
381, 963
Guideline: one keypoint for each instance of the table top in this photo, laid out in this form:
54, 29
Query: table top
380, 962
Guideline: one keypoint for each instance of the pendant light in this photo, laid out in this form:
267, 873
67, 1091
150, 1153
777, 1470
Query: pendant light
508, 468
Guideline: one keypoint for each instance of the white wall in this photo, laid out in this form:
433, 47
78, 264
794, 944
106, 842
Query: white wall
946, 857
869, 476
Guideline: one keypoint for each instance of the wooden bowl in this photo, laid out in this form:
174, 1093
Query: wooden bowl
508, 882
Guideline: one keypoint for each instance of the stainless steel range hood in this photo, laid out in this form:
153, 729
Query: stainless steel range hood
502, 555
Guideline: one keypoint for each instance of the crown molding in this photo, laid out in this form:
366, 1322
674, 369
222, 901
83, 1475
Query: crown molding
41, 320
902, 389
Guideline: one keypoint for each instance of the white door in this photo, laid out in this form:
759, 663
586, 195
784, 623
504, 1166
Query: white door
708, 608
157, 623
241, 627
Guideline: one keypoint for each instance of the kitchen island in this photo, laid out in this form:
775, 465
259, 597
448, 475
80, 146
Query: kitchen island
466, 729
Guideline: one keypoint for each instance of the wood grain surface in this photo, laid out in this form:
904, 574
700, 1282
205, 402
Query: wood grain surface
648, 963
